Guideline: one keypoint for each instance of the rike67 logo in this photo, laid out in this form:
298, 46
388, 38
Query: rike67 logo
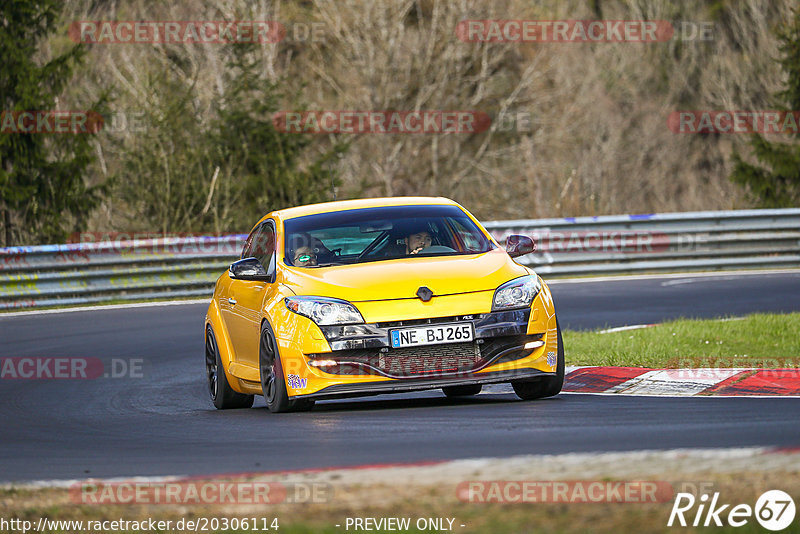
774, 510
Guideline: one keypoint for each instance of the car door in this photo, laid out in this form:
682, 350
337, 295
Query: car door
244, 302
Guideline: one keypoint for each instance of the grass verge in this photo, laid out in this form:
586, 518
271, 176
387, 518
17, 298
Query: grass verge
759, 340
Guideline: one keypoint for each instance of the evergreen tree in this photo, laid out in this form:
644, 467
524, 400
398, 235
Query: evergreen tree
192, 174
776, 182
42, 190
263, 158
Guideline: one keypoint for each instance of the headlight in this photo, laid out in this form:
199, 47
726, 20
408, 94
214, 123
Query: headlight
517, 293
324, 311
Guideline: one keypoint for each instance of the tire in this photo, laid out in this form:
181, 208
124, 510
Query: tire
273, 383
547, 386
222, 394
462, 391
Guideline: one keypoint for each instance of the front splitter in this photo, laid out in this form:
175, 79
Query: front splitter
404, 385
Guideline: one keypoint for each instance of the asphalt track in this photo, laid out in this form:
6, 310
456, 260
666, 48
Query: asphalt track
163, 424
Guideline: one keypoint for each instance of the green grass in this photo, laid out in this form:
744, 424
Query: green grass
759, 340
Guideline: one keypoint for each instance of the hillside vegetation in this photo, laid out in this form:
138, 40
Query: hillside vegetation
585, 124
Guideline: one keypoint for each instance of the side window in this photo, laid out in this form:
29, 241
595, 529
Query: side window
263, 244
248, 244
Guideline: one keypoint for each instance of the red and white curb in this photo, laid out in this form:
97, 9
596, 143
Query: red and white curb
683, 382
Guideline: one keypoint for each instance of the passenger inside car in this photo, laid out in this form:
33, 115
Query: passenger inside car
312, 247
305, 256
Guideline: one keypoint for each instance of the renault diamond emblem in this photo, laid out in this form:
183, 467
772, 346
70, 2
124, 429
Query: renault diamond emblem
424, 294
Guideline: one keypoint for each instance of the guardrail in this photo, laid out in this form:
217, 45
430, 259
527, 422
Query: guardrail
135, 269
623, 244
139, 269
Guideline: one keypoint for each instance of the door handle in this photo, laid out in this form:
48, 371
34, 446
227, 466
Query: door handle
232, 301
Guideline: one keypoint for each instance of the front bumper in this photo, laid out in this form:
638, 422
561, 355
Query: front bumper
365, 349
498, 352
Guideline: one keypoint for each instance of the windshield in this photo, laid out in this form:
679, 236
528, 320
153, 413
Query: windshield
375, 234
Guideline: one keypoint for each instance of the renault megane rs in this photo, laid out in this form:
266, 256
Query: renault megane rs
366, 297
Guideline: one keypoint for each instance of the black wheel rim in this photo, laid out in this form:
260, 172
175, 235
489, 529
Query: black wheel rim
267, 361
211, 366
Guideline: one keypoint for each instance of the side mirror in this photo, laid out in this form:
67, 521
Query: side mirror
249, 269
519, 245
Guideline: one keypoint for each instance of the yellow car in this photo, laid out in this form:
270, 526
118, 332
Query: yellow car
383, 295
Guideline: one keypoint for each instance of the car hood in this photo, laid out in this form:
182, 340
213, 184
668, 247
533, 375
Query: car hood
401, 278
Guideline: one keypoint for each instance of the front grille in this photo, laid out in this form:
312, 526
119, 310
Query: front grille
407, 362
417, 361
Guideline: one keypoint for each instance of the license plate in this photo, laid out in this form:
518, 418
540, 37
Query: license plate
431, 335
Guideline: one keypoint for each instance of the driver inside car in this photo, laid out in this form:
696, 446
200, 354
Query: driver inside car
417, 242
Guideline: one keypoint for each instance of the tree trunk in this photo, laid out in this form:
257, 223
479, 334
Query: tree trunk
7, 230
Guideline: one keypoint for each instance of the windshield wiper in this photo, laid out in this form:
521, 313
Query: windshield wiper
329, 264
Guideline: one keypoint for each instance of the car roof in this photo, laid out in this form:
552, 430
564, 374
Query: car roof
341, 205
